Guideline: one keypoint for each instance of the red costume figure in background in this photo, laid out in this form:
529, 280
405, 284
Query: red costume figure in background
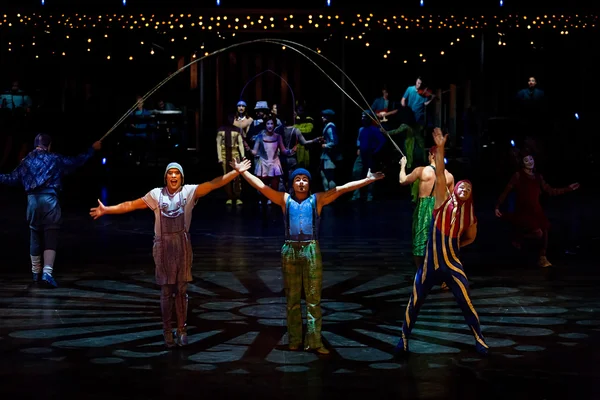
528, 218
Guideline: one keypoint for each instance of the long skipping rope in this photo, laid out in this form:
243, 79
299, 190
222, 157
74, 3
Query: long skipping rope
275, 41
370, 115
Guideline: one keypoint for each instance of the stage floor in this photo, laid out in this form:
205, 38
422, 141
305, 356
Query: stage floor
99, 334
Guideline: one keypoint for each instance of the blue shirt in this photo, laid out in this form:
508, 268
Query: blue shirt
381, 104
416, 102
370, 140
301, 219
42, 169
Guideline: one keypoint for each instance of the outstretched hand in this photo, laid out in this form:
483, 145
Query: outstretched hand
439, 138
375, 176
99, 211
97, 145
574, 186
241, 166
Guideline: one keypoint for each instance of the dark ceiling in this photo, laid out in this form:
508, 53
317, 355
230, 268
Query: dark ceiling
456, 6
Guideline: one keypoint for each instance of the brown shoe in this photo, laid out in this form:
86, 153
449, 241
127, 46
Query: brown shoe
293, 347
543, 262
321, 350
169, 339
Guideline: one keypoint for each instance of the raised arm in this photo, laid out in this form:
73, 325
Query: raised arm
325, 198
122, 208
410, 178
71, 163
273, 195
220, 181
441, 191
555, 192
449, 181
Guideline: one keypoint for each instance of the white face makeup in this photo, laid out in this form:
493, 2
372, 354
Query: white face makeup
270, 126
301, 184
528, 162
174, 180
464, 191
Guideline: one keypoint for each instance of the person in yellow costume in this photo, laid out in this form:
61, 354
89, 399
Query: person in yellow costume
230, 147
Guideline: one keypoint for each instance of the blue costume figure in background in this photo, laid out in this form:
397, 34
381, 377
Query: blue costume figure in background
454, 226
40, 173
331, 153
370, 143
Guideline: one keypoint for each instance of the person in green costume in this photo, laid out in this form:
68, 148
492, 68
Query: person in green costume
425, 178
301, 254
414, 155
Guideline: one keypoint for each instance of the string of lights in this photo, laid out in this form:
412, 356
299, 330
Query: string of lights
47, 34
224, 23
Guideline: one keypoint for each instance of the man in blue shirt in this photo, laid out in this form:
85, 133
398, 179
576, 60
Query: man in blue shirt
384, 108
370, 142
40, 173
416, 100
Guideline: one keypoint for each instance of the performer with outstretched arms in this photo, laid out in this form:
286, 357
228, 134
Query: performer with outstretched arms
528, 219
454, 226
172, 251
40, 173
300, 255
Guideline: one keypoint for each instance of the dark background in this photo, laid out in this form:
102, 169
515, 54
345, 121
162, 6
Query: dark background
564, 66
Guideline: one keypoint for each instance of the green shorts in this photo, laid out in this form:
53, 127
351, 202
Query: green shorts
421, 224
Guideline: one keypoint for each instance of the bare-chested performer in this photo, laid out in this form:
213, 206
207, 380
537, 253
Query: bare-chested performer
423, 214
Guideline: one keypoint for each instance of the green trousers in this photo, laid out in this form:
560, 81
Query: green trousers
421, 224
301, 263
